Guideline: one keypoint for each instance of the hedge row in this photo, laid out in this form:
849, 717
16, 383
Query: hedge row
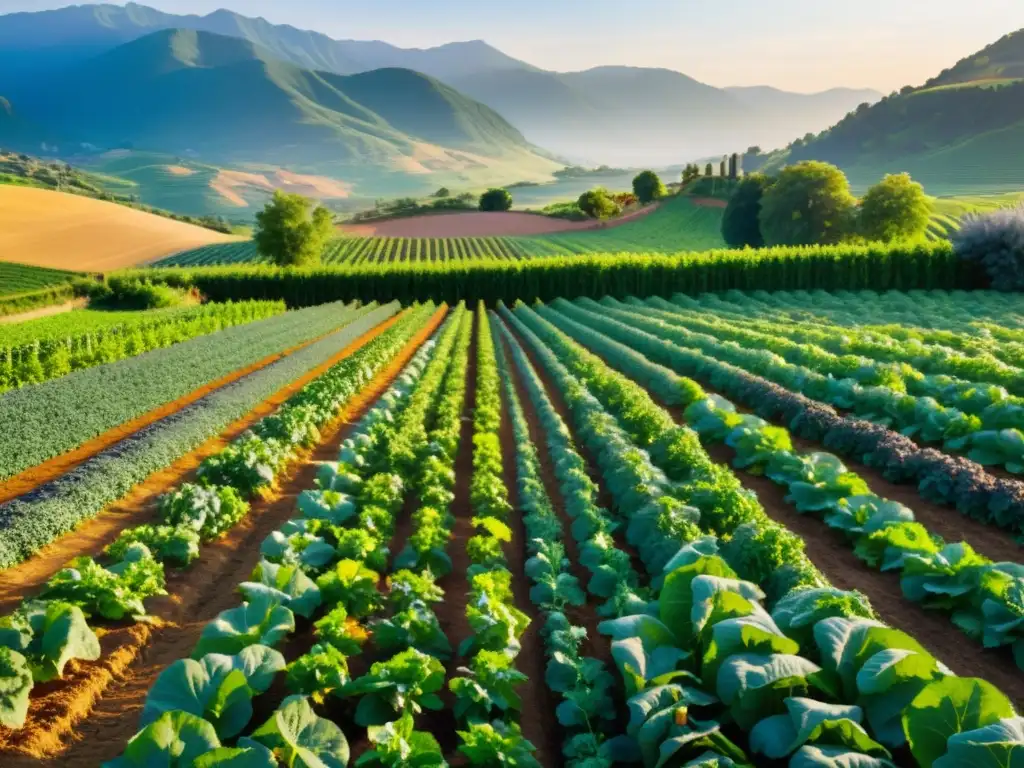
877, 266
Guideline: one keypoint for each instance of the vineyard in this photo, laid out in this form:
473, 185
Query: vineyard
678, 225
18, 278
732, 528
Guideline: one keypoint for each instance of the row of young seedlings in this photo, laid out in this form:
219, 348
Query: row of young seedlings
817, 680
57, 626
587, 709
487, 706
981, 596
198, 706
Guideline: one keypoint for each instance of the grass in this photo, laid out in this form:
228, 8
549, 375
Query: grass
947, 211
678, 225
20, 278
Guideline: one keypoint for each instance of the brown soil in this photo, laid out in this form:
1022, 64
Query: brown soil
51, 469
478, 224
196, 596
35, 314
539, 703
136, 507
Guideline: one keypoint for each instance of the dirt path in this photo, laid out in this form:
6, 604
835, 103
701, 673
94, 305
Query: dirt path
137, 507
479, 224
57, 728
538, 719
451, 612
35, 314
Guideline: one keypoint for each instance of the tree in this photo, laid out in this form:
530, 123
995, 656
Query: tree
496, 200
442, 192
598, 204
896, 208
753, 151
740, 222
292, 230
690, 173
810, 204
648, 187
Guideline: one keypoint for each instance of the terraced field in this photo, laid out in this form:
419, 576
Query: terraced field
725, 529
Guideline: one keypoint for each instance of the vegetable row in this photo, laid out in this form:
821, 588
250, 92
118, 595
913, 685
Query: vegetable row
56, 507
52, 418
39, 638
63, 345
814, 679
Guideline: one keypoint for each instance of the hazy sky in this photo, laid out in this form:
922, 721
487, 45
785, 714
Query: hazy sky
801, 45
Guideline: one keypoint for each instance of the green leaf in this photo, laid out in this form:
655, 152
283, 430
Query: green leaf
995, 746
835, 757
15, 686
222, 696
754, 686
251, 755
301, 739
675, 604
261, 621
174, 740
947, 707
287, 584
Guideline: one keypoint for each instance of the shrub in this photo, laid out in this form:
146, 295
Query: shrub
741, 226
810, 204
598, 203
496, 200
292, 230
135, 293
995, 242
647, 187
894, 209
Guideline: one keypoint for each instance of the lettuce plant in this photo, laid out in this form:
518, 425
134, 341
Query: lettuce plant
49, 634
287, 585
341, 631
298, 737
173, 545
486, 688
406, 683
399, 745
210, 511
260, 621
497, 744
114, 592
322, 670
352, 585
15, 686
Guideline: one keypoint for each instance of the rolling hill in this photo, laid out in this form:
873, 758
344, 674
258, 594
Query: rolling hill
960, 132
618, 115
43, 228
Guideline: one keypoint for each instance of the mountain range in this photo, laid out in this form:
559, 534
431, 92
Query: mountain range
618, 115
962, 130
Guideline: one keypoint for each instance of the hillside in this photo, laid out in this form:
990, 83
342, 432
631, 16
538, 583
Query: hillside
620, 115
961, 131
43, 228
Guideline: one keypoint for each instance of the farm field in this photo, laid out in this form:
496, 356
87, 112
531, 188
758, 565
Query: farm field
738, 528
677, 225
57, 230
22, 278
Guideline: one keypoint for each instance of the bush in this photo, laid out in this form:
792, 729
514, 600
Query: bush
740, 222
995, 243
136, 293
894, 209
598, 204
810, 204
496, 200
292, 230
647, 187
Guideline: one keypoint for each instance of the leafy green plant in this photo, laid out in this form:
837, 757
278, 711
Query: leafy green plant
342, 631
497, 744
487, 688
299, 737
208, 510
399, 745
287, 585
406, 683
15, 687
260, 621
351, 585
322, 670
173, 545
113, 592
49, 634
175, 740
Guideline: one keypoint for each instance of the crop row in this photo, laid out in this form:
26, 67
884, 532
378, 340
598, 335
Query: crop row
21, 278
38, 639
52, 418
38, 353
881, 267
816, 678
749, 375
979, 595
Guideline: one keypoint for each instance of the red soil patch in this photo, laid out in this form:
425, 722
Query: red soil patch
478, 224
87, 721
709, 202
